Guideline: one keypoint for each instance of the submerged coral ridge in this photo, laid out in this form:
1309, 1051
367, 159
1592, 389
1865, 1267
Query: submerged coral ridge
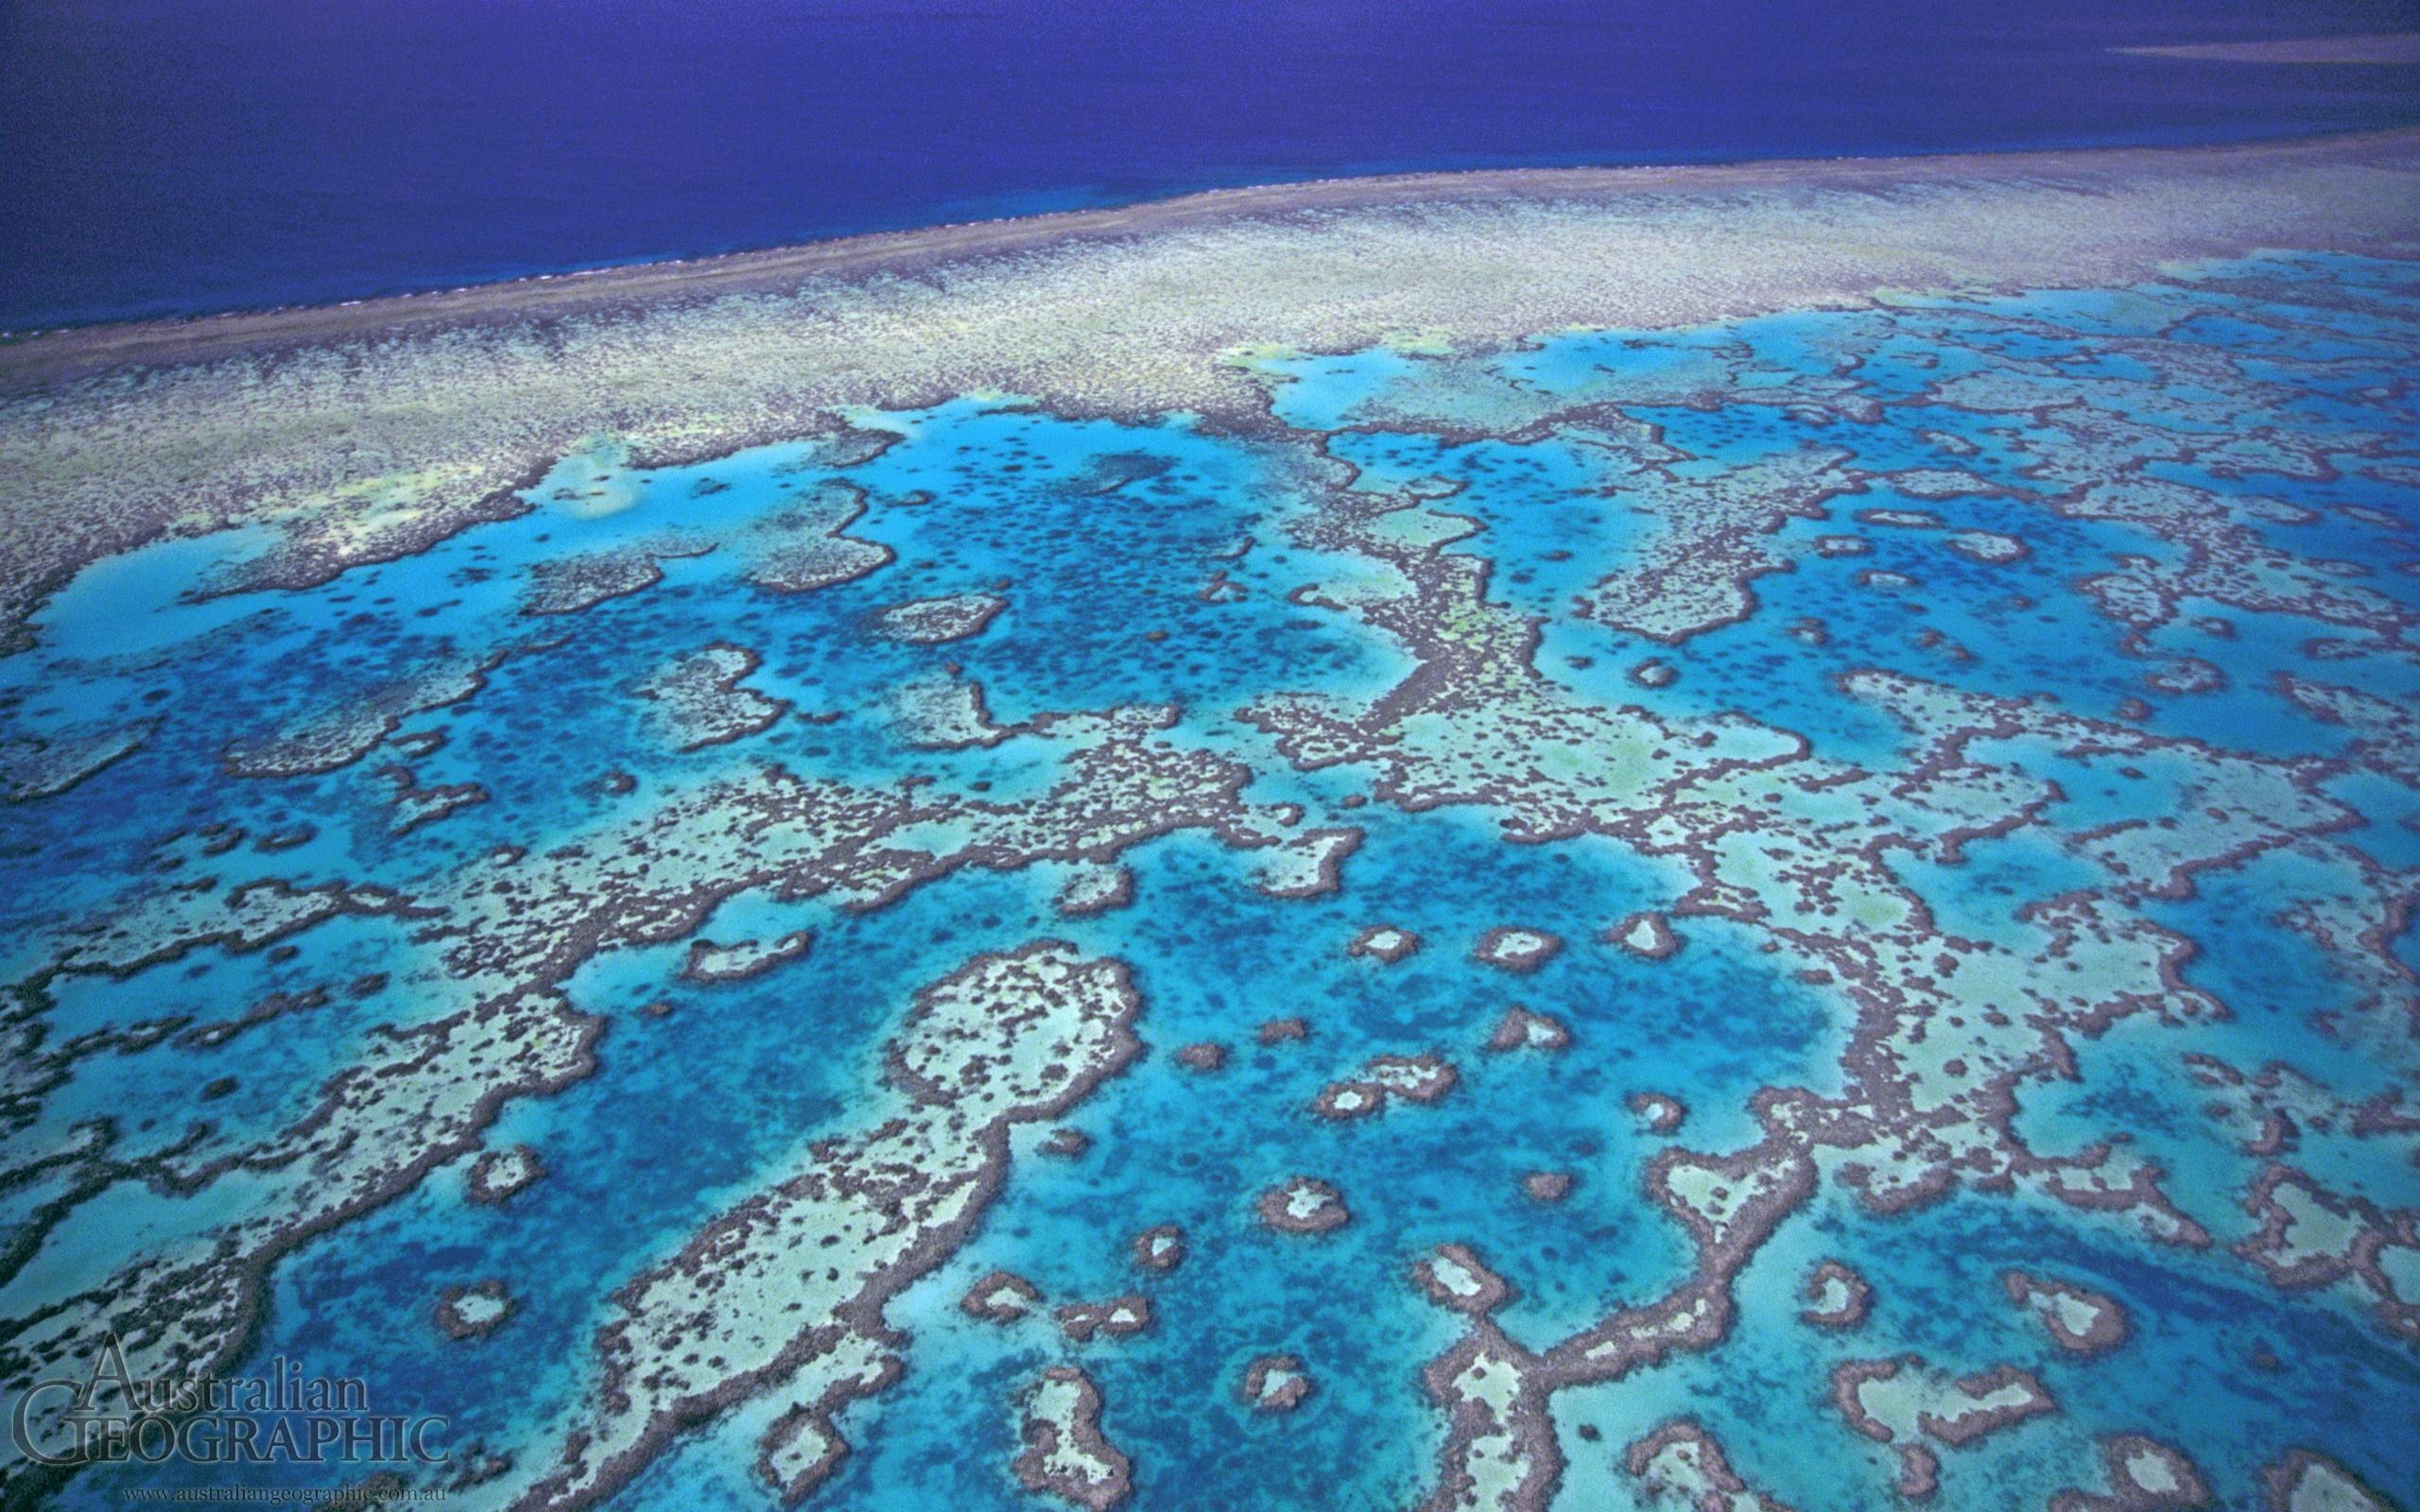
1787, 912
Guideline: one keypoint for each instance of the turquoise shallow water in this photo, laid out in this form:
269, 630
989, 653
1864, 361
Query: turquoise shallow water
2159, 514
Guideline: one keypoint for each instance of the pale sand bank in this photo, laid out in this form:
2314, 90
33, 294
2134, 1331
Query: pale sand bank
370, 429
2369, 47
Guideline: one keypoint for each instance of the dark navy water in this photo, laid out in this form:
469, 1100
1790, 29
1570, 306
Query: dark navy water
177, 156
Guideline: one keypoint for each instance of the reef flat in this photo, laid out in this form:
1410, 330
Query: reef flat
1723, 839
362, 431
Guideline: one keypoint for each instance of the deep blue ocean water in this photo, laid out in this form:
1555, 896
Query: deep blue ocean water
162, 157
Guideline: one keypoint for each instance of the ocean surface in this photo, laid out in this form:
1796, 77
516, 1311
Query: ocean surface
166, 157
2101, 590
